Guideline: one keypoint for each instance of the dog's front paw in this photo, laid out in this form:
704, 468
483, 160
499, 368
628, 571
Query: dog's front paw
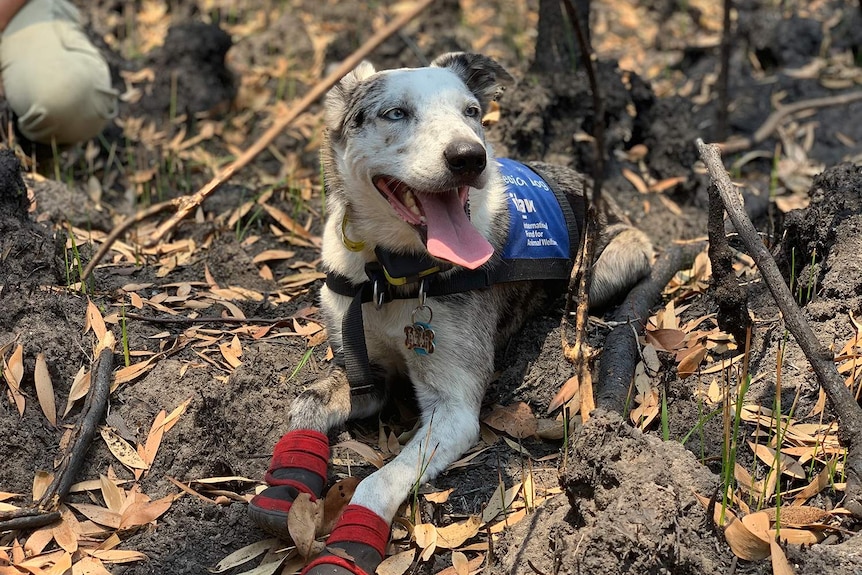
358, 544
298, 465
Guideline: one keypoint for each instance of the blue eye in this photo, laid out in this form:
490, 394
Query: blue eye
473, 112
394, 114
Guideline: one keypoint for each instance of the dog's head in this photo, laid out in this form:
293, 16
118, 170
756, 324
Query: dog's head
408, 147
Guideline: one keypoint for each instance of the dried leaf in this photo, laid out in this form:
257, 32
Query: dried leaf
95, 321
366, 451
780, 564
426, 539
287, 222
516, 419
13, 372
566, 392
66, 534
45, 389
786, 464
397, 564
89, 566
797, 515
38, 540
690, 361
174, 416
758, 524
636, 181
114, 497
454, 535
41, 481
460, 563
144, 513
270, 255
62, 564
303, 521
744, 544
97, 514
244, 555
472, 566
817, 485
439, 496
665, 339
337, 498
154, 438
121, 449
80, 387
797, 536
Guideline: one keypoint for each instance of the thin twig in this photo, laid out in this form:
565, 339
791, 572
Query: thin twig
581, 354
819, 356
185, 204
723, 111
589, 60
774, 120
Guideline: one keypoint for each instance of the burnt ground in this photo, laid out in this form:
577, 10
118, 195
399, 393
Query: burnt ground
623, 500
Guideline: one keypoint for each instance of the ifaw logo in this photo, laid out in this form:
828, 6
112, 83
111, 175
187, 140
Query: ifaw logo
523, 205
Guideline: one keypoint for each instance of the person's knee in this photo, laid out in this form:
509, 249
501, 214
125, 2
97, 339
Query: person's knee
71, 106
56, 82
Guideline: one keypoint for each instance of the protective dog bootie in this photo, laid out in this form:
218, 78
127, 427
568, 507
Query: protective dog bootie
298, 465
362, 535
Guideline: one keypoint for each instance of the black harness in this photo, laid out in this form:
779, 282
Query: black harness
398, 276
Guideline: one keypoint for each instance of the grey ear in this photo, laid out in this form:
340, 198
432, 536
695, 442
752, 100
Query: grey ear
482, 75
338, 98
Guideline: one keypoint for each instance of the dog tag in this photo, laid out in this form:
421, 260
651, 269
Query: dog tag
419, 336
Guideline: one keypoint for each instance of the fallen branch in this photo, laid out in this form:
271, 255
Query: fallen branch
185, 204
774, 120
819, 356
95, 406
621, 354
26, 519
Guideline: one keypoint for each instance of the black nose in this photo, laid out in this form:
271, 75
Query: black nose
465, 158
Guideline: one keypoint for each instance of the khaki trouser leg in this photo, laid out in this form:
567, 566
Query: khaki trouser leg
55, 80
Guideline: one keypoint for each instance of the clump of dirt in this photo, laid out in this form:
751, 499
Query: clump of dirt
193, 76
630, 509
28, 249
824, 242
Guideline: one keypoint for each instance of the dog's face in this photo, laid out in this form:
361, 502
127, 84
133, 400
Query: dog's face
408, 146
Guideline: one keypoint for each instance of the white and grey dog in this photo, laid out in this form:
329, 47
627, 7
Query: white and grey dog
416, 200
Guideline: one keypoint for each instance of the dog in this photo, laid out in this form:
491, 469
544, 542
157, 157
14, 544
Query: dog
418, 219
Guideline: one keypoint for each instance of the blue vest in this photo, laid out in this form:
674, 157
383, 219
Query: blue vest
543, 233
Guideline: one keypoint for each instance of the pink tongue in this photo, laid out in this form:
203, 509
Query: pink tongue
451, 235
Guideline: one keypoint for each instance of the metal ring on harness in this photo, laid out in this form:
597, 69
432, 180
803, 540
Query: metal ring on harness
379, 296
420, 308
423, 294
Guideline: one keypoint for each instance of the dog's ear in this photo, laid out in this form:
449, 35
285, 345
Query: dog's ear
339, 96
482, 75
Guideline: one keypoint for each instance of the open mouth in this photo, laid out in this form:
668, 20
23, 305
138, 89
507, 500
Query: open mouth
450, 235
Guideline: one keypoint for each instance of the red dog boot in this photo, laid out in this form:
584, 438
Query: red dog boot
362, 535
298, 465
